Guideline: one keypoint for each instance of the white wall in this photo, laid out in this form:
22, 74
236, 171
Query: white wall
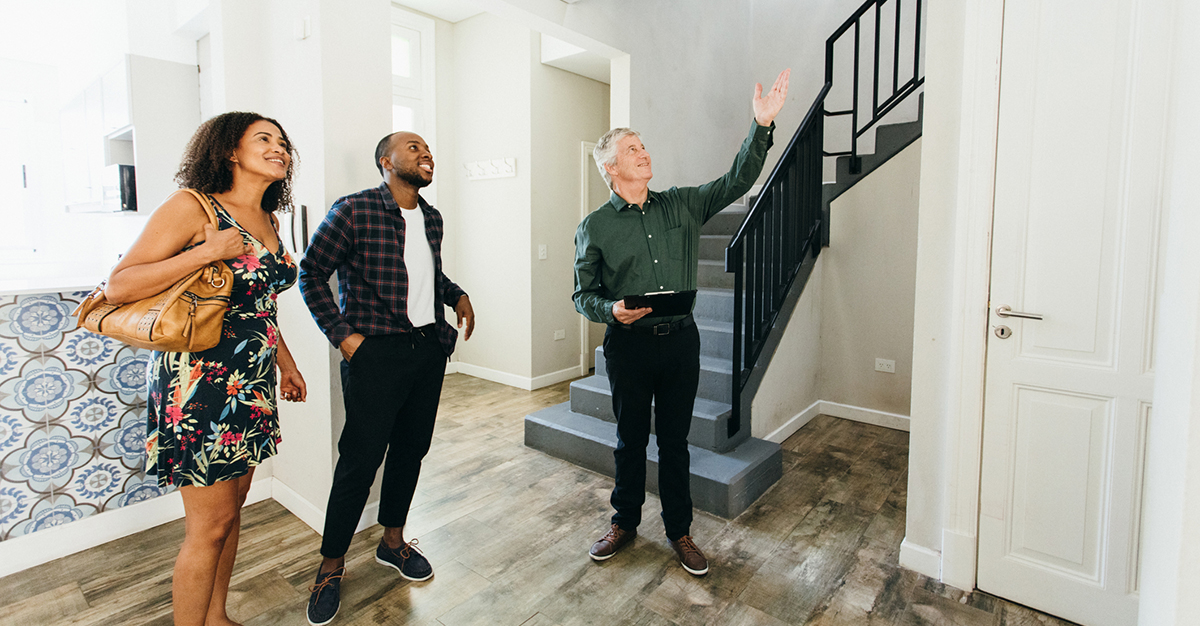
445, 153
1170, 571
493, 120
857, 305
792, 383
303, 83
567, 109
52, 51
869, 283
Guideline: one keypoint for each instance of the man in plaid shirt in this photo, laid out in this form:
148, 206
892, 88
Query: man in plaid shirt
385, 244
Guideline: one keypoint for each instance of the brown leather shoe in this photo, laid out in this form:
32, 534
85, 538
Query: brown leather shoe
690, 556
613, 540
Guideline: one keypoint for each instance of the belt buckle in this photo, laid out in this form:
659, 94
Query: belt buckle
662, 329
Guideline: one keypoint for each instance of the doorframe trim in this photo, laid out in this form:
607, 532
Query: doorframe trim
983, 35
585, 157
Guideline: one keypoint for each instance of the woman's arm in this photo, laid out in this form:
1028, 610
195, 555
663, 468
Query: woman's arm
154, 262
291, 383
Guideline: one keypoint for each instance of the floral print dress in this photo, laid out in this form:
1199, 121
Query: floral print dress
212, 414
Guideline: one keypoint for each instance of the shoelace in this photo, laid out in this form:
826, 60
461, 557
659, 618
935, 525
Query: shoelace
687, 545
614, 534
403, 550
327, 581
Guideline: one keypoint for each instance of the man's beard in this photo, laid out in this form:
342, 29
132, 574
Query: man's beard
411, 176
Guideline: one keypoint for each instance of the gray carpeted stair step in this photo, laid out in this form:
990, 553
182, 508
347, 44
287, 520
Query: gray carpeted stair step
712, 247
713, 274
727, 222
724, 484
716, 338
714, 304
716, 377
591, 396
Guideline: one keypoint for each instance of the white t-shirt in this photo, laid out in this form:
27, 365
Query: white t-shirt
418, 260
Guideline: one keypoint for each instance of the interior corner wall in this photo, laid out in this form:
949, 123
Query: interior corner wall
869, 288
567, 109
493, 120
790, 384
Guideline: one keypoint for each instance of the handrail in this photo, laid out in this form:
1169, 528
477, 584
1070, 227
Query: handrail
808, 121
782, 230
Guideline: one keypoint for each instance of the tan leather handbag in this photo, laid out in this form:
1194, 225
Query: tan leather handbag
187, 317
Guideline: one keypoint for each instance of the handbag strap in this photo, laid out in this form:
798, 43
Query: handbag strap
206, 204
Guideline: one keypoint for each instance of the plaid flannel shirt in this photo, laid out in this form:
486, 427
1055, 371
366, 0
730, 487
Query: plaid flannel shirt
362, 237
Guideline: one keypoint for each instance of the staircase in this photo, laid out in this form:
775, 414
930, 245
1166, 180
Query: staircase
754, 262
728, 473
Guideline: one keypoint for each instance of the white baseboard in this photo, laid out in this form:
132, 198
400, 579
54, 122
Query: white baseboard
309, 513
958, 559
369, 517
894, 421
513, 380
920, 559
789, 428
843, 411
313, 515
545, 380
452, 368
21, 553
496, 376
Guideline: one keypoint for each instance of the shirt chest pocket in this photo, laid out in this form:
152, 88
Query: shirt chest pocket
676, 241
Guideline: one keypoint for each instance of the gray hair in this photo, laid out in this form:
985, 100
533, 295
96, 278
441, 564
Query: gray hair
605, 152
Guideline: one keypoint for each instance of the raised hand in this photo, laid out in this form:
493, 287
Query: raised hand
766, 108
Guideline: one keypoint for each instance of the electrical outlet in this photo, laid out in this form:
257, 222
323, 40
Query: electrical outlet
885, 365
542, 252
560, 334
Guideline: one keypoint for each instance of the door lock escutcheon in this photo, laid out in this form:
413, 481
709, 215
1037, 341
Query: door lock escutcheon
1003, 332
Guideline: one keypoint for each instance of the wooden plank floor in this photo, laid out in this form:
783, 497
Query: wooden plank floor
507, 530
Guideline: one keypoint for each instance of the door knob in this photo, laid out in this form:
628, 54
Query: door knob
1006, 311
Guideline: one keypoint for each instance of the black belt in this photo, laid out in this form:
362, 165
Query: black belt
665, 328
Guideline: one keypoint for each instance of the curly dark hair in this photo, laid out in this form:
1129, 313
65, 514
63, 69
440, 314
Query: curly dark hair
206, 164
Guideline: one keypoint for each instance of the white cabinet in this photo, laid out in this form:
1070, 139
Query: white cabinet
141, 113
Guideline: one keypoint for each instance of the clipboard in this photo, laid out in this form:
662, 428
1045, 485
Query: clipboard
664, 303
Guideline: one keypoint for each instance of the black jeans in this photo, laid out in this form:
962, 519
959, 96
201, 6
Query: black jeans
391, 389
667, 369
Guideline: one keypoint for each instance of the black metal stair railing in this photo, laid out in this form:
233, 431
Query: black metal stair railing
782, 230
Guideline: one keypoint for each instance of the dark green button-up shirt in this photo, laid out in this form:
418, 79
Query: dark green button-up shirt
622, 249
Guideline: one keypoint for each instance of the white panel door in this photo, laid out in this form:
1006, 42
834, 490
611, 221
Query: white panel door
1075, 241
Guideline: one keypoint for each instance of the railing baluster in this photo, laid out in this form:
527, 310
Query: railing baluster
875, 90
917, 43
896, 54
734, 261
854, 169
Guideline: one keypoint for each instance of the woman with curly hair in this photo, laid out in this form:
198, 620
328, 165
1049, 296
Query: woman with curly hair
212, 414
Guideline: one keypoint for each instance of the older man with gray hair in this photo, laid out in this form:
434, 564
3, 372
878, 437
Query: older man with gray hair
642, 242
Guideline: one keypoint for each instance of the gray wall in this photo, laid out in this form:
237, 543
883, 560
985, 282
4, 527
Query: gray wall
693, 68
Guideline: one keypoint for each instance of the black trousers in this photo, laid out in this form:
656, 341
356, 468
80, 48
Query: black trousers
391, 389
665, 368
